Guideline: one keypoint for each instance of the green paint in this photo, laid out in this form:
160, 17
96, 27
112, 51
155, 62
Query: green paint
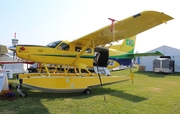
129, 42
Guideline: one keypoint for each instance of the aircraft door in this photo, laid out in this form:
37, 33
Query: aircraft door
101, 61
101, 57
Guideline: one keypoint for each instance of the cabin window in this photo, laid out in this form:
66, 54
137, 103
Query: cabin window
64, 46
88, 50
53, 44
78, 49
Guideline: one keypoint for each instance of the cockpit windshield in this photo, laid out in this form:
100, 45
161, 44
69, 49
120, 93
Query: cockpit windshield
53, 44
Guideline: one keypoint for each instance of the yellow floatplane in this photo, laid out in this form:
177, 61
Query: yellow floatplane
88, 52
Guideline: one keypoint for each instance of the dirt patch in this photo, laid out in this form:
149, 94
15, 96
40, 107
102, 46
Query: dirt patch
155, 89
7, 112
169, 82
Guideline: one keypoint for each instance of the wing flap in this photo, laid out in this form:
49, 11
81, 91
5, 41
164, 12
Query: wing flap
125, 28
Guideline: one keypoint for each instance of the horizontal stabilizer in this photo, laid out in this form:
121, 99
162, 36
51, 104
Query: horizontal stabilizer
156, 53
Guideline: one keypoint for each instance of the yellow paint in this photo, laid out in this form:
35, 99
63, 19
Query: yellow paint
132, 76
126, 28
81, 58
60, 83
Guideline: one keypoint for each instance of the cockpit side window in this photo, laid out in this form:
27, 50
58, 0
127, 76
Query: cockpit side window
78, 49
88, 50
53, 44
63, 46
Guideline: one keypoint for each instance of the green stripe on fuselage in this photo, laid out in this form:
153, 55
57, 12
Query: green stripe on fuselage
87, 56
64, 55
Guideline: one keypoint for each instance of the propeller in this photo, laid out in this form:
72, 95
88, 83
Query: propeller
13, 49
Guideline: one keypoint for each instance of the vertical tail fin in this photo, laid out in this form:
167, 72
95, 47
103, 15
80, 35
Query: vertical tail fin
127, 45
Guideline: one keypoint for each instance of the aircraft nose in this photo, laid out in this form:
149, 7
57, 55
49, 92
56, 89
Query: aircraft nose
12, 48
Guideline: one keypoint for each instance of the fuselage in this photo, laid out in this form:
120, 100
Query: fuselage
60, 52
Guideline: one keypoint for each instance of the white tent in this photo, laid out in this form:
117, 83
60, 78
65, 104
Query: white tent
3, 49
167, 51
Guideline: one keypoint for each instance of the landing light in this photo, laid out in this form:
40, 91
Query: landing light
22, 48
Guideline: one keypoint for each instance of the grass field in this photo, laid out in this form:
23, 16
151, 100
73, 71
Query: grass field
151, 93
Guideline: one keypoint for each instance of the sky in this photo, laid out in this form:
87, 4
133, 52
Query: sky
39, 22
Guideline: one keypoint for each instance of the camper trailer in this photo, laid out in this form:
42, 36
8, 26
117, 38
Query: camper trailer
163, 65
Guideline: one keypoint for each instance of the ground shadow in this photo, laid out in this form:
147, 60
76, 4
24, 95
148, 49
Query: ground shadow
119, 93
19, 105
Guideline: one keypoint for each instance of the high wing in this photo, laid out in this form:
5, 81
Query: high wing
156, 53
124, 29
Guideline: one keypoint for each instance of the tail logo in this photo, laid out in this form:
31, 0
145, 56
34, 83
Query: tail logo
129, 42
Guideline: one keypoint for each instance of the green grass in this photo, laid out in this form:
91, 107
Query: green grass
151, 93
